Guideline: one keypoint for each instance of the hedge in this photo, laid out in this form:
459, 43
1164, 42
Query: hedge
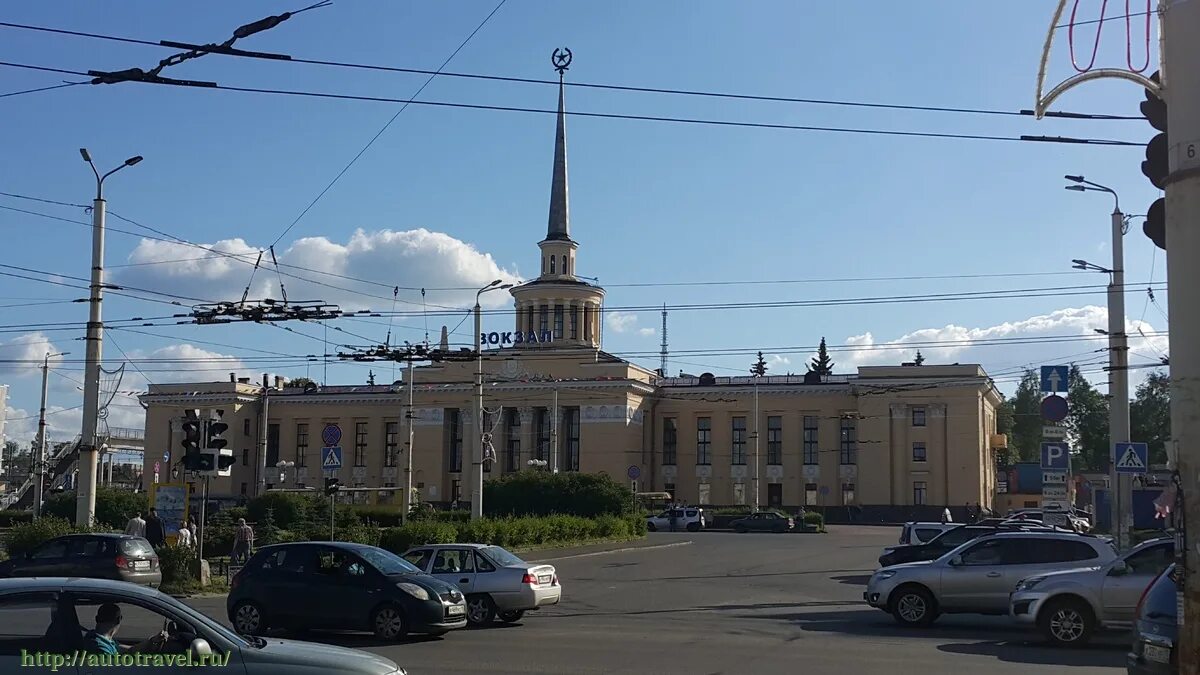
288, 508
538, 493
513, 532
815, 519
114, 506
10, 518
25, 537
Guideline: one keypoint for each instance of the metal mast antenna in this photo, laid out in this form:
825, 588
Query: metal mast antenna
663, 354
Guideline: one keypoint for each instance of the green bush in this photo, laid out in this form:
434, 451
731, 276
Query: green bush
382, 516
815, 520
290, 508
400, 539
359, 534
114, 507
25, 537
176, 563
538, 493
10, 518
233, 513
730, 511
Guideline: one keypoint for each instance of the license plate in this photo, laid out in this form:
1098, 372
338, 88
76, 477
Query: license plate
1156, 653
141, 564
455, 610
543, 578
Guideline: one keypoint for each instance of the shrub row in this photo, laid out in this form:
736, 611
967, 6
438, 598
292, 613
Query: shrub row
513, 532
538, 493
10, 518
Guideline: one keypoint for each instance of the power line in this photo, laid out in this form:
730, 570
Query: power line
579, 85
34, 91
627, 116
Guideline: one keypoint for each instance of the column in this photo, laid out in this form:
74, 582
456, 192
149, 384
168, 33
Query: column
577, 312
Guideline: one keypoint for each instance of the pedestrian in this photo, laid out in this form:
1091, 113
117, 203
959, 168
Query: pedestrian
243, 541
946, 515
155, 533
184, 540
970, 513
136, 527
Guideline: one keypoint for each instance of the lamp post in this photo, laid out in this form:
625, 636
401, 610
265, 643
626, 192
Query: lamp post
477, 450
283, 465
85, 504
1118, 361
39, 462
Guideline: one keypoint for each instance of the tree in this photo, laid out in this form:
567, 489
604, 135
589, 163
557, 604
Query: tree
821, 364
1025, 441
920, 360
759, 367
1087, 421
1150, 415
300, 382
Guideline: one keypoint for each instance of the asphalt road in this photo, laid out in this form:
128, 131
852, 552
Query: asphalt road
732, 604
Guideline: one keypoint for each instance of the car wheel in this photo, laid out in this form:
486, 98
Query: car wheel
480, 610
1067, 623
693, 527
388, 623
512, 616
248, 618
913, 606
650, 527
740, 529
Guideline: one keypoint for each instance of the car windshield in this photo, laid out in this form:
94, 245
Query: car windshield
386, 561
502, 557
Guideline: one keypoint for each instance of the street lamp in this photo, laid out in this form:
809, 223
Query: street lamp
477, 451
1118, 358
283, 466
537, 463
85, 503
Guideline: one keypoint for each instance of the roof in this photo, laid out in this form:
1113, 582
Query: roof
83, 584
559, 225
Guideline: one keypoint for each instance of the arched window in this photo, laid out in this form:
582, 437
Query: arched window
564, 265
551, 264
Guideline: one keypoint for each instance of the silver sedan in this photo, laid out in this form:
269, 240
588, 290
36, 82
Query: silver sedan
496, 582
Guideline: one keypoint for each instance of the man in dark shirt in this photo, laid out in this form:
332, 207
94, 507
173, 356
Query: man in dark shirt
154, 529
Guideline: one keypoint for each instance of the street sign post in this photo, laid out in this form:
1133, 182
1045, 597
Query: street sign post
1054, 378
634, 472
1056, 456
1131, 457
1054, 477
331, 458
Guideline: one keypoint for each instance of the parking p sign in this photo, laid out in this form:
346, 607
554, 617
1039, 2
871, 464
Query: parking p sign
1055, 456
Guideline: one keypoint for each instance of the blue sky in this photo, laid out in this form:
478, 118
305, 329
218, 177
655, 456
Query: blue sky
651, 202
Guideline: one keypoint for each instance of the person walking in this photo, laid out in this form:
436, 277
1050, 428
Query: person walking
155, 532
184, 540
136, 527
946, 518
243, 541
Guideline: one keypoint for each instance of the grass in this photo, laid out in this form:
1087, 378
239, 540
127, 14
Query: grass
218, 585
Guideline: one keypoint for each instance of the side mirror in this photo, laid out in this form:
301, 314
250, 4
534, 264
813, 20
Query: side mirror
1118, 568
956, 561
200, 647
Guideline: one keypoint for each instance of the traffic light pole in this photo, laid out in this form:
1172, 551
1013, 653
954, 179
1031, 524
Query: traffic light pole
1181, 83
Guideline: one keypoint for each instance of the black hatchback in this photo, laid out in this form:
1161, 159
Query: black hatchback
342, 586
948, 541
1155, 631
95, 556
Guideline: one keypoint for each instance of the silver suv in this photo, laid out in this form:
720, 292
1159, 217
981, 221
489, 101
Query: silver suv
976, 578
1068, 606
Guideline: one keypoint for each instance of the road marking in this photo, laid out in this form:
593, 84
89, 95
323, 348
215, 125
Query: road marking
615, 550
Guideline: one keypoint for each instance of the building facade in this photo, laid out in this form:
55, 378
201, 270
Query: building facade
901, 437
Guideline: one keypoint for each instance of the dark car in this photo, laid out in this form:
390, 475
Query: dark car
341, 586
763, 521
1154, 630
94, 556
946, 542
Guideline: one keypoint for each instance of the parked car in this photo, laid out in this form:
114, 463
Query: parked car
94, 556
51, 614
1077, 522
1155, 630
922, 533
690, 518
977, 577
496, 582
764, 521
1068, 607
948, 541
340, 585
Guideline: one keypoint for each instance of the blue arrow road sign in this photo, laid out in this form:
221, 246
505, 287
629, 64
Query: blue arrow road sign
331, 457
1131, 457
1054, 378
1056, 456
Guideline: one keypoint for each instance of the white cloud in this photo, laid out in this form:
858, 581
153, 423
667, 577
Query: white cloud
411, 258
620, 322
181, 362
25, 353
646, 331
777, 360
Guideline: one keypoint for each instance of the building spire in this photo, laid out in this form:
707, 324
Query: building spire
560, 214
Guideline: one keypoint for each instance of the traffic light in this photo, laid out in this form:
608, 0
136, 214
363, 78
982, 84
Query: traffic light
216, 427
331, 486
191, 440
1156, 166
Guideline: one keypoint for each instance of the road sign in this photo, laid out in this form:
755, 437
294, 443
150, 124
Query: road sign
1054, 431
1054, 378
1054, 408
332, 435
1054, 477
1056, 456
1002, 487
167, 456
634, 472
1132, 457
331, 457
1054, 492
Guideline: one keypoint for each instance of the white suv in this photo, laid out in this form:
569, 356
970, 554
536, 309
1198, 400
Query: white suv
690, 518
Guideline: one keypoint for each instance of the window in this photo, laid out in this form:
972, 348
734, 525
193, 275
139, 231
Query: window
573, 321
1035, 551
847, 493
543, 320
670, 442
774, 440
810, 494
542, 440
245, 457
1151, 560
512, 441
244, 489
739, 493
990, 552
918, 451
775, 495
455, 490
246, 427
564, 265
849, 441
420, 557
453, 561
360, 444
704, 440
90, 547
669, 488
920, 492
558, 322
25, 618
482, 564
571, 424
301, 443
552, 266
391, 438
810, 441
705, 491
53, 549
739, 442
918, 417
454, 438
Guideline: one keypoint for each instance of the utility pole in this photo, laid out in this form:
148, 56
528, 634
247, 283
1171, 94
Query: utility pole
408, 446
476, 476
756, 456
1182, 89
85, 504
263, 428
39, 460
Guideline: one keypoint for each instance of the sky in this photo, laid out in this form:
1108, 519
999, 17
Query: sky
452, 198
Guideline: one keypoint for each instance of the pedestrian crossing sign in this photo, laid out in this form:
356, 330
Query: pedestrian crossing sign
331, 457
1131, 457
